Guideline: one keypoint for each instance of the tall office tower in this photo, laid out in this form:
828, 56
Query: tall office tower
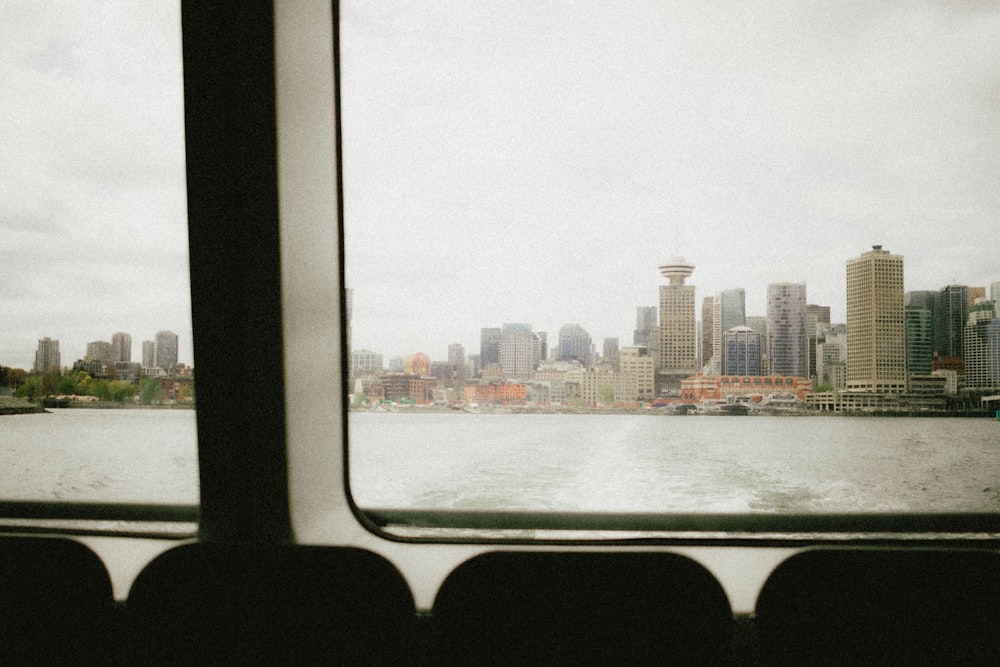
734, 310
166, 349
919, 340
122, 343
975, 294
610, 352
677, 356
786, 324
759, 324
517, 352
489, 346
876, 331
47, 355
101, 350
541, 347
741, 351
645, 326
709, 310
982, 347
149, 354
575, 343
995, 291
951, 312
456, 361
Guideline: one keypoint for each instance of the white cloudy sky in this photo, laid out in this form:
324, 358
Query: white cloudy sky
93, 236
519, 161
537, 161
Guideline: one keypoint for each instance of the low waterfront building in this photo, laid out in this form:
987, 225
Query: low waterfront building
502, 392
400, 386
700, 387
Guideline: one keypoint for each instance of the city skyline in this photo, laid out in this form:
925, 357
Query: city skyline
520, 163
628, 327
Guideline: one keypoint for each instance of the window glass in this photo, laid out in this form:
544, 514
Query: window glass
556, 215
96, 364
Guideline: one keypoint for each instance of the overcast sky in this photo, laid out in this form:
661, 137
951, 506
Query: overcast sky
519, 161
537, 161
93, 235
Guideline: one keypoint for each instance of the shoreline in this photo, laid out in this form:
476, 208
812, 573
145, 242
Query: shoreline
18, 406
21, 406
532, 410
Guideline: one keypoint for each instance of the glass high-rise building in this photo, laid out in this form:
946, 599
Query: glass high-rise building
166, 349
876, 332
786, 324
645, 326
741, 351
951, 312
982, 347
575, 343
733, 308
489, 346
919, 340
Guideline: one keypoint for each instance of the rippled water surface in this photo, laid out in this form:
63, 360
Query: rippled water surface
654, 463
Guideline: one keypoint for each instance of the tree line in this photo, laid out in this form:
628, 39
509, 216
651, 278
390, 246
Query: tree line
54, 382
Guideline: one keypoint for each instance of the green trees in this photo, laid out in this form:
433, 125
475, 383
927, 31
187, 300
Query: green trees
31, 389
149, 391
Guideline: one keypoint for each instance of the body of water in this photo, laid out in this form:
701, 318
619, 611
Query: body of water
148, 456
623, 463
640, 463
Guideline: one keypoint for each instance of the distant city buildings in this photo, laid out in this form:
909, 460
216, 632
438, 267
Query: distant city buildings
876, 333
677, 354
122, 343
166, 349
786, 322
982, 347
575, 344
915, 348
645, 326
47, 355
741, 351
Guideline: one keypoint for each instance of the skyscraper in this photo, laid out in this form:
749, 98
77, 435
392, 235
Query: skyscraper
710, 309
645, 326
122, 343
919, 340
733, 304
951, 313
489, 346
610, 352
786, 324
47, 355
982, 347
876, 333
741, 351
456, 361
518, 349
166, 349
677, 356
149, 354
575, 343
